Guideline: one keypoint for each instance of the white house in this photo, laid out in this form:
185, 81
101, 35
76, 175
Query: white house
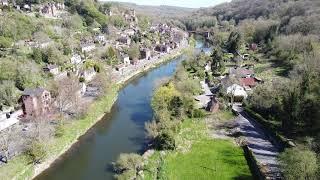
237, 92
87, 47
125, 59
100, 38
75, 59
129, 32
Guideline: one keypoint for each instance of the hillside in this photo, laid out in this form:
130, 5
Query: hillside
159, 11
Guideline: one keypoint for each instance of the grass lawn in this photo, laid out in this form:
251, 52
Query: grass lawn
199, 157
208, 159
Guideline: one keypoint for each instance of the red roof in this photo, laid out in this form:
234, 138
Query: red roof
251, 82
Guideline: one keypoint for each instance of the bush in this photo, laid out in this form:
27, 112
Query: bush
5, 42
128, 165
82, 79
299, 164
198, 113
36, 151
165, 141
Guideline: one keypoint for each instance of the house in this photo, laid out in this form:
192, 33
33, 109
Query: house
162, 48
120, 68
237, 93
241, 72
76, 59
129, 32
125, 40
51, 68
35, 102
108, 12
4, 2
48, 9
88, 74
87, 47
213, 105
253, 47
248, 83
125, 59
145, 53
100, 38
26, 7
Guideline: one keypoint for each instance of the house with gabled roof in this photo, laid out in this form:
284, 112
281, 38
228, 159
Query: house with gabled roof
35, 102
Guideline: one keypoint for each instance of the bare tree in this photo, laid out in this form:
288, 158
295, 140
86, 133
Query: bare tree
68, 94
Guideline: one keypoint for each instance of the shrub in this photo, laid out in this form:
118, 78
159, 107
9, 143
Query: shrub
198, 113
299, 163
165, 141
36, 151
5, 42
82, 79
128, 165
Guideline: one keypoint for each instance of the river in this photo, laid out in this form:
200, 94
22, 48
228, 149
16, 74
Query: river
120, 131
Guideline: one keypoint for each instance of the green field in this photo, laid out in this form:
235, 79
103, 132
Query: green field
199, 157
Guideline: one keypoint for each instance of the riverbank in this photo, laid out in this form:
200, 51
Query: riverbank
20, 168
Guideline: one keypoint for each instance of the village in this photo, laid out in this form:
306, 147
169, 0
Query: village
83, 65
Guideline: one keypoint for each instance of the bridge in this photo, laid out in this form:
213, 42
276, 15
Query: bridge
204, 33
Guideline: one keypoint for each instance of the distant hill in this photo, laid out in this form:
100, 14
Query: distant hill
158, 11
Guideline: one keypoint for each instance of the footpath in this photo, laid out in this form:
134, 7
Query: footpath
259, 143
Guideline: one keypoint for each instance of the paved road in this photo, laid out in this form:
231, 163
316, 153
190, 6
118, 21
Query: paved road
259, 143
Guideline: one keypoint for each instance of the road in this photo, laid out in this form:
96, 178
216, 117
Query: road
259, 143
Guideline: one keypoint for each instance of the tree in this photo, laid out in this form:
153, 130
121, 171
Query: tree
234, 42
8, 93
217, 65
128, 166
134, 52
299, 164
68, 95
165, 141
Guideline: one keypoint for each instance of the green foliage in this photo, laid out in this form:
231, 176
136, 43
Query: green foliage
217, 65
198, 113
134, 51
299, 164
8, 93
5, 42
128, 165
17, 26
37, 152
234, 42
118, 21
165, 141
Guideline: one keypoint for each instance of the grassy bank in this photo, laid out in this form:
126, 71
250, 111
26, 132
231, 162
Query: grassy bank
198, 157
20, 167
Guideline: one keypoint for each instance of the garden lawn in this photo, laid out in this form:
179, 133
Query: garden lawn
198, 156
208, 159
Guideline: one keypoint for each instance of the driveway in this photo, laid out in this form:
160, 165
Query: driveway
259, 143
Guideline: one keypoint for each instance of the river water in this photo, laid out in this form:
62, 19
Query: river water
120, 131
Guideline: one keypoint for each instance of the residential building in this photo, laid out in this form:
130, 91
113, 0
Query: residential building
87, 47
145, 53
51, 68
35, 102
248, 83
236, 93
76, 59
162, 48
100, 38
4, 2
241, 72
125, 59
125, 40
